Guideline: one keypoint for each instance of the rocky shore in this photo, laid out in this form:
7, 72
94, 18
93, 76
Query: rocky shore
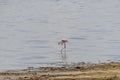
103, 71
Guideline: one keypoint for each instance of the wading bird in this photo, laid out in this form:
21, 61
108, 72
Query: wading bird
63, 42
63, 50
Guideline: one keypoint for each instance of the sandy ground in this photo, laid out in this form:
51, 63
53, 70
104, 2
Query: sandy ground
107, 71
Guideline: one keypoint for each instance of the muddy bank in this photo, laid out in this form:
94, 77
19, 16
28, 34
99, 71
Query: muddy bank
104, 71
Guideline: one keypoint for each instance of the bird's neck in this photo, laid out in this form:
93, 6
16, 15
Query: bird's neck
64, 45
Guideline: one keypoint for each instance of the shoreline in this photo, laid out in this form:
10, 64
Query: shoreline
103, 71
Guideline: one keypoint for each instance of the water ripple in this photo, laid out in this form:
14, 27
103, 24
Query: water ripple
37, 41
76, 38
33, 57
40, 47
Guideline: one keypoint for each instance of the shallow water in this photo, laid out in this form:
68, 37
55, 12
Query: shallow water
31, 29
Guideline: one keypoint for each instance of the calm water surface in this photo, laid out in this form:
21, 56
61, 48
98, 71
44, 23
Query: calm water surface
31, 29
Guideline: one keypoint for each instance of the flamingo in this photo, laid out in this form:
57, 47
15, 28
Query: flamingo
63, 54
63, 42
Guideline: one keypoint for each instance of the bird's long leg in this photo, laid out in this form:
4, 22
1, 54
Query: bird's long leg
63, 55
62, 50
